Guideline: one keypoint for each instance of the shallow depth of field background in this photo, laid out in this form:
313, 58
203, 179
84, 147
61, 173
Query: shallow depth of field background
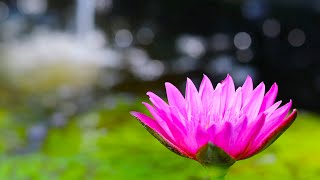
71, 71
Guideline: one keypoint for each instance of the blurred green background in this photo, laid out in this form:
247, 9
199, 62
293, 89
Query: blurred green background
71, 71
110, 144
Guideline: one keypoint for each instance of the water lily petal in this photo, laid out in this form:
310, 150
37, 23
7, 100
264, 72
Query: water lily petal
233, 111
273, 134
152, 126
272, 121
223, 137
227, 94
272, 108
193, 103
148, 121
247, 89
238, 131
158, 102
252, 107
248, 135
269, 98
175, 98
215, 116
164, 121
206, 92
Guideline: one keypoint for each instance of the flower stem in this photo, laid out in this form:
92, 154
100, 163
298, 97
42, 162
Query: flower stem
216, 172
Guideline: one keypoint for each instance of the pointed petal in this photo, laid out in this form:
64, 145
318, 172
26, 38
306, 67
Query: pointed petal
247, 89
227, 94
193, 104
178, 120
185, 139
146, 120
252, 106
206, 87
269, 98
159, 134
272, 121
274, 134
174, 130
222, 138
175, 98
161, 119
233, 111
238, 131
216, 116
158, 102
202, 138
212, 131
206, 92
279, 114
272, 108
247, 137
169, 123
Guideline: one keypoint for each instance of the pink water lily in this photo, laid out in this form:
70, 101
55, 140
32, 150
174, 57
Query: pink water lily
241, 122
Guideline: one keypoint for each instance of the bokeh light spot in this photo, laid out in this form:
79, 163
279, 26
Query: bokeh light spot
242, 40
123, 38
271, 28
296, 37
145, 36
190, 45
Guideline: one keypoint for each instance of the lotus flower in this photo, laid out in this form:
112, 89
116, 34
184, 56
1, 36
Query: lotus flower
217, 125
